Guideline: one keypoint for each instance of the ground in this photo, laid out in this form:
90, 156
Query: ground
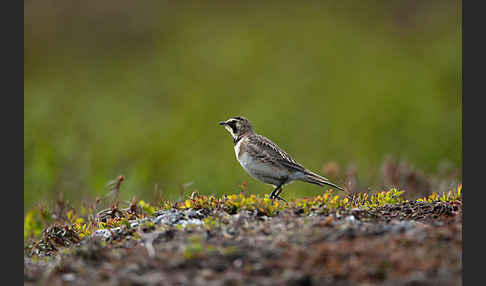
247, 240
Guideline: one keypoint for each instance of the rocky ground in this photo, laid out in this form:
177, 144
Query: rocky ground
408, 243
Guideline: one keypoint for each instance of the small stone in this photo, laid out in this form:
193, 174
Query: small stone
68, 277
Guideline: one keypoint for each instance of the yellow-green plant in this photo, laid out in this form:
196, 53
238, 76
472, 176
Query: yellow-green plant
32, 224
150, 210
452, 195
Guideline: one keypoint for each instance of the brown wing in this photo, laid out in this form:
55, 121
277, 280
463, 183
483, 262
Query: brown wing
268, 151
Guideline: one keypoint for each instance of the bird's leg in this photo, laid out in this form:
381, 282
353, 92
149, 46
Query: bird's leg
275, 194
279, 197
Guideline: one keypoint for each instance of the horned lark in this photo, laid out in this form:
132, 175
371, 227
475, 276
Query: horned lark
265, 161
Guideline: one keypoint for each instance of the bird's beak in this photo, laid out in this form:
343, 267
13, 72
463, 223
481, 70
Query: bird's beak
222, 123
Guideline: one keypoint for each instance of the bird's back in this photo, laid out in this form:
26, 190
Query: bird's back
266, 150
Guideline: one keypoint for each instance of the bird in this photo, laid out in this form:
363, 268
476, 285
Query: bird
266, 161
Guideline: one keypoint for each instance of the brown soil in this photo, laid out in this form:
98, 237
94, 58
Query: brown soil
406, 244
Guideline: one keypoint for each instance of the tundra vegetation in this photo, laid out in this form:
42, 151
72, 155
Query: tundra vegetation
241, 239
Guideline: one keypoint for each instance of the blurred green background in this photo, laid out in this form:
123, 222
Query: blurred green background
137, 89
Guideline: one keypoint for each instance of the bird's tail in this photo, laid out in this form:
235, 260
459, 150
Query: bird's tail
313, 178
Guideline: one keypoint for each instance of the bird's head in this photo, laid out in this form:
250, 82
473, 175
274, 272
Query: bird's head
237, 126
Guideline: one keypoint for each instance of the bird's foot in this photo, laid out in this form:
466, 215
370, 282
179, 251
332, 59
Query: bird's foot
277, 197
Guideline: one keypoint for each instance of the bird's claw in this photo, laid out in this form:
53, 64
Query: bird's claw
277, 197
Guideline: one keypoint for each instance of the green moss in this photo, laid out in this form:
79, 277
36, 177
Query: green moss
212, 222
